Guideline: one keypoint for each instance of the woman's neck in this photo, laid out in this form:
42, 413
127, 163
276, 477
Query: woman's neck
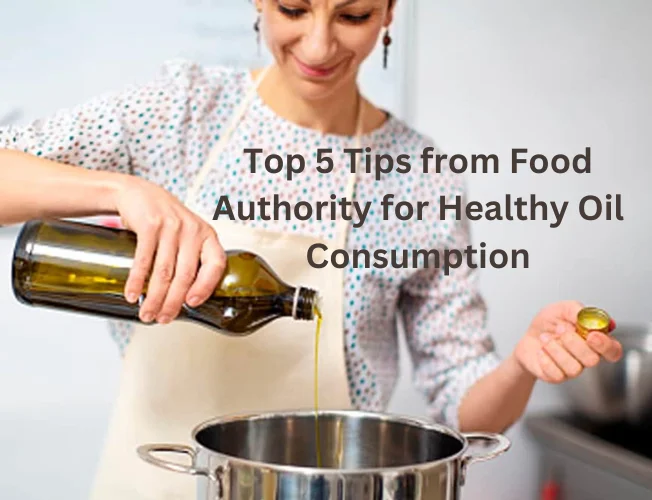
336, 115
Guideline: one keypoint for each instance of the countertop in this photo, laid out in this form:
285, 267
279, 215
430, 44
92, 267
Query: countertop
596, 445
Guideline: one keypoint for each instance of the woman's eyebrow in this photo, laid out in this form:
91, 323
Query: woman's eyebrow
339, 5
345, 3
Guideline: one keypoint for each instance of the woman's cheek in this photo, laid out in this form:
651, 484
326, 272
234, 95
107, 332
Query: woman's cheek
360, 41
279, 35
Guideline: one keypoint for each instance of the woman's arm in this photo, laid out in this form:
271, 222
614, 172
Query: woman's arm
89, 161
39, 162
497, 400
172, 241
445, 325
140, 130
33, 187
550, 351
466, 384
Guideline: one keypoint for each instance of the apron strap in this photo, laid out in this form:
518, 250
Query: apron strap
342, 224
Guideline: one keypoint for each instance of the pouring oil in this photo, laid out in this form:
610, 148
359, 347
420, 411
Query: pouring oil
318, 315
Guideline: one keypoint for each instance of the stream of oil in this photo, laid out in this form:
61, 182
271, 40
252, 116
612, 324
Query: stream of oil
318, 315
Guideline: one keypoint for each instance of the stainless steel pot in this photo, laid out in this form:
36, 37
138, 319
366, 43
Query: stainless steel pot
619, 392
364, 456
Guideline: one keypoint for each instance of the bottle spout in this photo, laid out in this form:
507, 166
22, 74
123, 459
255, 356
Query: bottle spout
318, 306
307, 304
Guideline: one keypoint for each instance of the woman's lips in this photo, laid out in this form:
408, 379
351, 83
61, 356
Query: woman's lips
314, 71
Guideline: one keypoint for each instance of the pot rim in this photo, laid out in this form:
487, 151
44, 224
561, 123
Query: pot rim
388, 417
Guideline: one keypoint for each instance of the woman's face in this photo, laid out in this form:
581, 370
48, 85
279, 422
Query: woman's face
319, 45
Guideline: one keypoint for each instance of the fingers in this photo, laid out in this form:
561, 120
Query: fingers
213, 264
609, 348
570, 309
564, 361
163, 271
550, 369
562, 353
184, 274
171, 243
579, 349
566, 356
176, 247
143, 257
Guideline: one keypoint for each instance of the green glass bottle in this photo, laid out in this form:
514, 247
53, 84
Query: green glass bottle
82, 267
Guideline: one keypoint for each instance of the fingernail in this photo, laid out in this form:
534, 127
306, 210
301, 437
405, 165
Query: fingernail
193, 301
132, 297
545, 338
148, 317
164, 319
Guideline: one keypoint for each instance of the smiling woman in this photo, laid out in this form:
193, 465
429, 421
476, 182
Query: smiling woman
318, 48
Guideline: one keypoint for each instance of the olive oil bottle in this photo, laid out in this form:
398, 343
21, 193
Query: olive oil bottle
83, 268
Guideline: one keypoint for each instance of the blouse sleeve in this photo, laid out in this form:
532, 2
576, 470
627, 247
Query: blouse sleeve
93, 135
125, 131
444, 315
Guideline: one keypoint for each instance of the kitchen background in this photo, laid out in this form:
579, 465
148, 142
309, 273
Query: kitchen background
478, 77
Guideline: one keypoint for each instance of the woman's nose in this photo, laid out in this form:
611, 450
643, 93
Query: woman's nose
319, 44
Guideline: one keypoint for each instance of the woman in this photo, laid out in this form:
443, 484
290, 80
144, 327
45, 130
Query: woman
161, 155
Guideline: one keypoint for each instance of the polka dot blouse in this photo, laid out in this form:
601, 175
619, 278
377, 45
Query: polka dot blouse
163, 131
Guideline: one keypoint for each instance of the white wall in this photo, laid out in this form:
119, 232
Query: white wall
554, 77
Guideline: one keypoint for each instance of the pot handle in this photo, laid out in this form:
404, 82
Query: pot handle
146, 452
496, 443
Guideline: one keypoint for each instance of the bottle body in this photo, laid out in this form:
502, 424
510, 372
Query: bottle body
83, 268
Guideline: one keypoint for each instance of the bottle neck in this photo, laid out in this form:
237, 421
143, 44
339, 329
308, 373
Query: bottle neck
245, 314
301, 303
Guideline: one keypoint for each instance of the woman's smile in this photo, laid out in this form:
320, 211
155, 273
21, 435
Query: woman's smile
315, 71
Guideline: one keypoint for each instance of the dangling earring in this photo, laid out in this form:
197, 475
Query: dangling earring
257, 30
387, 40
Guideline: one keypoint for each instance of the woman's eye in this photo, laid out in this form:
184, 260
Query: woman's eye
355, 19
295, 13
291, 12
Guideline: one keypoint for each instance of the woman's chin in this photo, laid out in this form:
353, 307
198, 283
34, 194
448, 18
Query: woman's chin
315, 89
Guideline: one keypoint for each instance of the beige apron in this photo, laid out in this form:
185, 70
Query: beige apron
178, 375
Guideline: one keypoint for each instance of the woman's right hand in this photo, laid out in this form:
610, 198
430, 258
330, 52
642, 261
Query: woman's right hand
178, 251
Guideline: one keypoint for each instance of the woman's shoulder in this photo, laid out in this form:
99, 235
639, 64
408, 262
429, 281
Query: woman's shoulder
398, 137
201, 80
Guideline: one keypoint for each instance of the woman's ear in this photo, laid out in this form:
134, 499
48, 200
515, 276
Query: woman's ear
390, 13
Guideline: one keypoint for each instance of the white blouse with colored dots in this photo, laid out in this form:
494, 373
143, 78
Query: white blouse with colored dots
163, 131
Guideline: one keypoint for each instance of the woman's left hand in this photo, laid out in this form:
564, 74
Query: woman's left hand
552, 351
